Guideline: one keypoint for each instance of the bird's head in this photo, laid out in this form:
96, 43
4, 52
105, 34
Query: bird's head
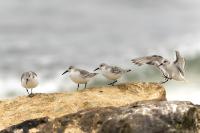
71, 68
101, 66
165, 62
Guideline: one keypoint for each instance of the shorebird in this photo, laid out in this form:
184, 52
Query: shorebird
111, 72
29, 80
170, 70
79, 76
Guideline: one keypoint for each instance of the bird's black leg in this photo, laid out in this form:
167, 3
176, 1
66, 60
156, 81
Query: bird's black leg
30, 94
113, 83
77, 87
166, 80
85, 85
164, 76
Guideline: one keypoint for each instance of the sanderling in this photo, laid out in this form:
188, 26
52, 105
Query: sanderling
111, 72
29, 80
170, 70
79, 76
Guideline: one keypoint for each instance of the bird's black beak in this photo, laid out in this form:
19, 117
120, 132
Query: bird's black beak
96, 69
65, 72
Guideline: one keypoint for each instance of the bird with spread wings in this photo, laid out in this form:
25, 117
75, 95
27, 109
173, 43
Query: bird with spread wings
170, 70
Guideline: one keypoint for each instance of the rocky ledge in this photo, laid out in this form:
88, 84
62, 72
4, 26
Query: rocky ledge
140, 117
54, 105
125, 108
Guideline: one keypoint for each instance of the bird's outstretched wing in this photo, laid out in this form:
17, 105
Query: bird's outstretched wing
180, 62
155, 60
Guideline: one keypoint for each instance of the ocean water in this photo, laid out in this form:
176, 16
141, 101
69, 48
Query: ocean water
47, 36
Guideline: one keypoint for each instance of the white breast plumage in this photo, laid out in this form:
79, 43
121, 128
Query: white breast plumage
77, 78
31, 83
108, 74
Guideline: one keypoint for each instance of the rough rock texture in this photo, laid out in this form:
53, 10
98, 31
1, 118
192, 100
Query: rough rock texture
141, 117
46, 107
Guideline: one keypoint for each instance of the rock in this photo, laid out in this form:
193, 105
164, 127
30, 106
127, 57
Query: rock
27, 125
26, 109
140, 117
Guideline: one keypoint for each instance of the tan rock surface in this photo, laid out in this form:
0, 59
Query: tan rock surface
55, 105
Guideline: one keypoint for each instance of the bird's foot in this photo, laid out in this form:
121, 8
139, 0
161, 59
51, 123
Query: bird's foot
165, 77
31, 95
163, 82
77, 87
111, 84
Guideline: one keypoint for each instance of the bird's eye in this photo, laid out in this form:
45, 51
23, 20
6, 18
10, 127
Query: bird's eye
165, 61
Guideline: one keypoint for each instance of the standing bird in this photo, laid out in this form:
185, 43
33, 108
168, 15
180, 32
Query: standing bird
79, 76
111, 72
29, 80
170, 70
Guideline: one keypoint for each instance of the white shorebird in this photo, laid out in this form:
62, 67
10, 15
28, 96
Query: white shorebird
79, 76
111, 72
29, 80
170, 70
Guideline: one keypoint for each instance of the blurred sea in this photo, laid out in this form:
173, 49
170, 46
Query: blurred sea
47, 36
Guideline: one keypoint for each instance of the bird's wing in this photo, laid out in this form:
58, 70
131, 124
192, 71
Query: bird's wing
163, 70
180, 62
115, 70
155, 60
23, 75
83, 73
34, 73
86, 74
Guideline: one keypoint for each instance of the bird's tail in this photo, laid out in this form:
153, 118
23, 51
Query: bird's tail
140, 61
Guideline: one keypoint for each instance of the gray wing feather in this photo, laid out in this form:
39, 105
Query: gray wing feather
27, 75
34, 73
155, 60
86, 74
91, 75
83, 72
116, 70
180, 62
23, 76
180, 70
